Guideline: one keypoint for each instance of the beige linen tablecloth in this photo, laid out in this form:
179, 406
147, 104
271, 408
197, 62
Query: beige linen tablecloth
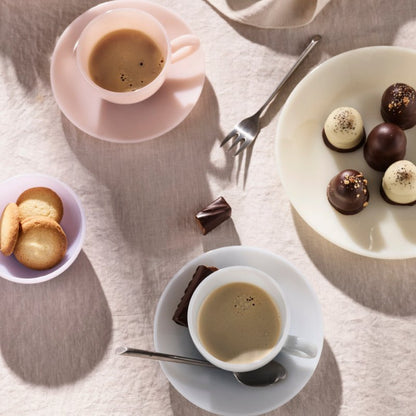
57, 339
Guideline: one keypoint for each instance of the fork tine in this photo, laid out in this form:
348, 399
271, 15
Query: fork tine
237, 140
242, 147
229, 136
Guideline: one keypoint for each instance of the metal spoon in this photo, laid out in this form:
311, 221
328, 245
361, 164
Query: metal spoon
269, 374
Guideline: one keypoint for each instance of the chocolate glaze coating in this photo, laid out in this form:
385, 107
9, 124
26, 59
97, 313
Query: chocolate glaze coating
385, 145
337, 149
347, 192
387, 199
398, 105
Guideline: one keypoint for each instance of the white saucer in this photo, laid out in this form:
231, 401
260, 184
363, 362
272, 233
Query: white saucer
215, 390
357, 79
126, 123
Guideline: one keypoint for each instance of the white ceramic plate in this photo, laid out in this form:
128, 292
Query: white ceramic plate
215, 390
73, 223
358, 79
126, 123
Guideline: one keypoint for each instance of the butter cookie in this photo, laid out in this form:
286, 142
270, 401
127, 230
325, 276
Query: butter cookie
40, 201
9, 228
42, 243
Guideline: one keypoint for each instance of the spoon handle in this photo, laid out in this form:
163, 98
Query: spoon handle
159, 356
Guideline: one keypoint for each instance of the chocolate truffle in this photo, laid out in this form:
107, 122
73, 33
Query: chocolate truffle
398, 185
385, 144
398, 105
347, 192
344, 130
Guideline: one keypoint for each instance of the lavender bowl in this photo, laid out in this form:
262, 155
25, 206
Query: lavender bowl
73, 223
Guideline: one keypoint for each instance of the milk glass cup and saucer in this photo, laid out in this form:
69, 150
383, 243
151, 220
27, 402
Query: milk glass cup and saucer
134, 116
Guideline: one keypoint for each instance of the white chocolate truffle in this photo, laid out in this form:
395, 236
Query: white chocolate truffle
399, 183
344, 129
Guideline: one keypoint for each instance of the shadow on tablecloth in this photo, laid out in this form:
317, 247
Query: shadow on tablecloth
56, 332
28, 38
383, 285
156, 189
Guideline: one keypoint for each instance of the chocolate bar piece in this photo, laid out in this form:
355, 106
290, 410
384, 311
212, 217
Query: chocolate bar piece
181, 314
213, 215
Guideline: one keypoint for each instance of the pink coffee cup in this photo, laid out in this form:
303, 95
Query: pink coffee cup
117, 19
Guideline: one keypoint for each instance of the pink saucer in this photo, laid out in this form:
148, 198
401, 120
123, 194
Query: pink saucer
126, 123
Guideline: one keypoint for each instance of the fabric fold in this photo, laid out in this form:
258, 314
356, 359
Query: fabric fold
270, 13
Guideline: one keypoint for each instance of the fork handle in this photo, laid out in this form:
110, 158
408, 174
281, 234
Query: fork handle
315, 39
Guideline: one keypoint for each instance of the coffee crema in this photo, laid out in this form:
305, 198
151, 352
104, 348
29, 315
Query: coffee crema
125, 60
239, 323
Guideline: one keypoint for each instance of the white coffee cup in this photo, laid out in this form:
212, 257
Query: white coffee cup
245, 274
135, 19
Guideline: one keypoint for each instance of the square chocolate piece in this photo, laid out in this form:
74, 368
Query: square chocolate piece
213, 215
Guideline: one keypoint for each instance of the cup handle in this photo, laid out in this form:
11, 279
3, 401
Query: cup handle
300, 347
183, 46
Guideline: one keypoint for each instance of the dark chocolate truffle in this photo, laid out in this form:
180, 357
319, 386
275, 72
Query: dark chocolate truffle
398, 105
347, 192
385, 144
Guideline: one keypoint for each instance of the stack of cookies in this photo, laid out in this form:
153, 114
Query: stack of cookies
30, 229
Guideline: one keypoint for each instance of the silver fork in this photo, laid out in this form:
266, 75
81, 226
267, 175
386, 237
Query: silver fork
247, 130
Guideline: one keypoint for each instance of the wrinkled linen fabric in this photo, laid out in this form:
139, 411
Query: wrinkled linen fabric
270, 13
58, 338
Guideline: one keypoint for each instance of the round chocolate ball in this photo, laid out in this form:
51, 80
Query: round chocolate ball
347, 192
385, 144
398, 105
